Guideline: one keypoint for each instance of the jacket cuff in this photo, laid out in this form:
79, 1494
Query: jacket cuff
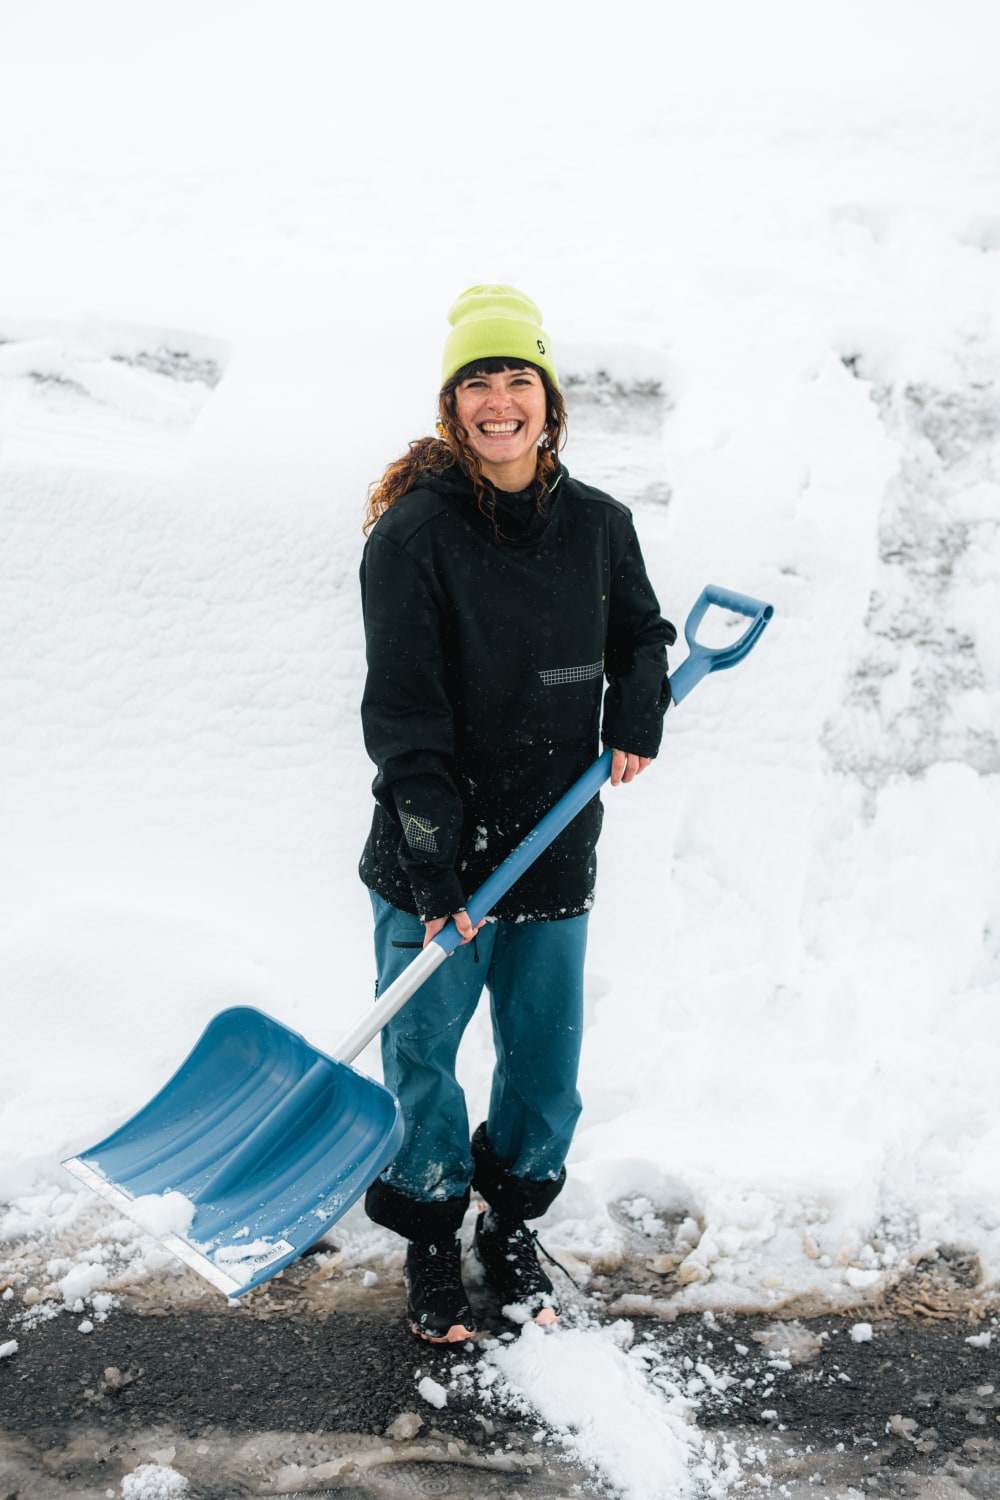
437, 893
636, 735
633, 744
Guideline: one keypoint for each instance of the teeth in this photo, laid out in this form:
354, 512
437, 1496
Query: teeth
501, 426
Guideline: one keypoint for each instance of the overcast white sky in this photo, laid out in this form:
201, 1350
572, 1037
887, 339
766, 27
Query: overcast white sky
228, 46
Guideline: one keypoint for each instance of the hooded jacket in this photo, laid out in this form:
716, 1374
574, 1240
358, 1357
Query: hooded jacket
492, 651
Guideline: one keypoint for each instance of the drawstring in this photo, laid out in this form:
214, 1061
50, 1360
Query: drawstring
533, 1234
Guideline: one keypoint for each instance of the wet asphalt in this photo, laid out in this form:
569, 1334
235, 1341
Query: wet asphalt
288, 1393
79, 1410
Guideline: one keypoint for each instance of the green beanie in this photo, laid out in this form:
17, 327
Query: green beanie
490, 322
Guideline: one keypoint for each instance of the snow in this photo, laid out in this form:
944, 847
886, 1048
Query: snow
432, 1391
768, 258
153, 1482
161, 1214
601, 1402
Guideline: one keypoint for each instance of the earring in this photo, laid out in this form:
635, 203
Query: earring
439, 428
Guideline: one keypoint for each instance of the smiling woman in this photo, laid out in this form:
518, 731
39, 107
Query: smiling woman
509, 625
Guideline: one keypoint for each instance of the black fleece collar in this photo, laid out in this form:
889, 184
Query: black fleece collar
517, 520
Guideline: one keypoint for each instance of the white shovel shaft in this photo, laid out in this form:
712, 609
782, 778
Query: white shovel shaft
393, 999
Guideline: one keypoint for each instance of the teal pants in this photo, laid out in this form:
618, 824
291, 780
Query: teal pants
533, 972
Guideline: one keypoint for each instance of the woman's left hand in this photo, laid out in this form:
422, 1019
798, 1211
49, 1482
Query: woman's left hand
462, 921
626, 767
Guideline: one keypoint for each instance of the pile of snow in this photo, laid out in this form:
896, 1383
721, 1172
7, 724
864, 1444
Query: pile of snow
590, 1392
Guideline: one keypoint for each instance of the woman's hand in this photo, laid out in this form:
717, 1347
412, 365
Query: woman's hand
466, 931
626, 767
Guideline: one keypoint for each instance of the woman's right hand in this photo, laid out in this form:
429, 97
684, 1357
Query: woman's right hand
466, 931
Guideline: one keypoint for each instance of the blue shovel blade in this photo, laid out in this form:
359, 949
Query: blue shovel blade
270, 1140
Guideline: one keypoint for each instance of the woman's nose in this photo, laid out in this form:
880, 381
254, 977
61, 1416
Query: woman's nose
498, 401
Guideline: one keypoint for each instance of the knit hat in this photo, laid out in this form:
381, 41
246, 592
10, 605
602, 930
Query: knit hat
496, 322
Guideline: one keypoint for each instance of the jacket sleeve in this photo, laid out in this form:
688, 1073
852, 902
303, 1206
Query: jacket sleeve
635, 659
408, 723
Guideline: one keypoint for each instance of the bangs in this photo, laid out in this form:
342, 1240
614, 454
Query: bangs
493, 366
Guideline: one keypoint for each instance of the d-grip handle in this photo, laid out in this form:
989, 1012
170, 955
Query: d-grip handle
704, 659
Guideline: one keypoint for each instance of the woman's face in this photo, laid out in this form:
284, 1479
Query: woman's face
504, 416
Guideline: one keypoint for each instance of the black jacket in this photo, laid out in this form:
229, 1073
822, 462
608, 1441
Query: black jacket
487, 657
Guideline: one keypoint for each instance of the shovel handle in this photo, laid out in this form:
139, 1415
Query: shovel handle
482, 901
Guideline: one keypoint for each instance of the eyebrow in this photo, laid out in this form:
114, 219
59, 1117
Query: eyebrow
484, 374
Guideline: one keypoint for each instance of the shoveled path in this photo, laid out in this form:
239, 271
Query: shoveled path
282, 1399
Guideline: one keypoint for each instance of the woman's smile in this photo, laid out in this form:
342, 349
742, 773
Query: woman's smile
500, 429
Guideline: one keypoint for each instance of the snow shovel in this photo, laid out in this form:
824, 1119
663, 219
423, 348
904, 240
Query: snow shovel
260, 1142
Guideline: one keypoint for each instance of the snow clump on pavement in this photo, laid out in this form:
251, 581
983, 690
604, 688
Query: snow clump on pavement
154, 1482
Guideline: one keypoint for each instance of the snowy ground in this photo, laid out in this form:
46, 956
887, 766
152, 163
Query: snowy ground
770, 262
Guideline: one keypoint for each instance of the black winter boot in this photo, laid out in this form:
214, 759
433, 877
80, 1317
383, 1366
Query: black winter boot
506, 1249
436, 1305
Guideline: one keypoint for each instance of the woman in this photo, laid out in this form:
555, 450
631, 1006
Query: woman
498, 596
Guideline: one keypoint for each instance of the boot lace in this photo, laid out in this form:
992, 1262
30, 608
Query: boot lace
526, 1242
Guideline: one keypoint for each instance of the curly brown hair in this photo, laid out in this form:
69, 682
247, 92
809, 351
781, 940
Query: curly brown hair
435, 455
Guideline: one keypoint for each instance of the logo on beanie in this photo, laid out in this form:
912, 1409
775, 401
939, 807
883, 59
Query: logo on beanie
541, 346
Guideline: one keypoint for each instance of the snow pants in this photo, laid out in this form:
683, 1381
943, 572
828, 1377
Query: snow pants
533, 972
